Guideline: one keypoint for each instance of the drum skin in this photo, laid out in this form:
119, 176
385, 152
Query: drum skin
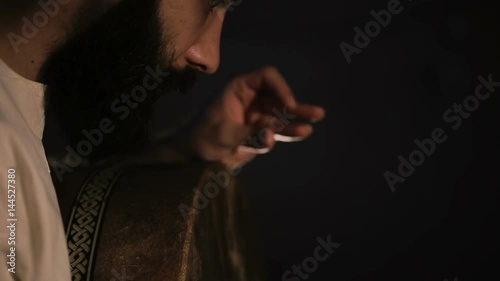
159, 222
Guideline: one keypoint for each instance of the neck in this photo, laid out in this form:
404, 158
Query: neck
29, 35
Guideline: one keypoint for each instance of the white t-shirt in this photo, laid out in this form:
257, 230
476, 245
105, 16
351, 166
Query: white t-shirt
32, 239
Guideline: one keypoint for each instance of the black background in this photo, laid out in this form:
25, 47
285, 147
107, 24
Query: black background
442, 221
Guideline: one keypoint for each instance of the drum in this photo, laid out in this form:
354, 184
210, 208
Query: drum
154, 222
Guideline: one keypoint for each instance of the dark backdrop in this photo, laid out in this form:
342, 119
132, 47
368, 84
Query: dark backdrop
441, 222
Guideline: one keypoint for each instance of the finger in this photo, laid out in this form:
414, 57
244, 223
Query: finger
262, 141
308, 112
268, 138
286, 128
259, 141
301, 113
268, 79
297, 131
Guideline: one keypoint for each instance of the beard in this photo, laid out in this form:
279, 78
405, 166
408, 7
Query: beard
96, 74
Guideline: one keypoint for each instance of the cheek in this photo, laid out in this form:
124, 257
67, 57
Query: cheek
183, 21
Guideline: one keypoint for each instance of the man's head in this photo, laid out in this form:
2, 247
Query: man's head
116, 68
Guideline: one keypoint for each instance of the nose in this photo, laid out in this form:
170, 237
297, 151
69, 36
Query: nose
204, 54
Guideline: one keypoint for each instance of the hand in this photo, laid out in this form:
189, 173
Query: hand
253, 108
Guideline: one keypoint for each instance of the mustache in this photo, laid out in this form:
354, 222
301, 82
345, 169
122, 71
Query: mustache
180, 81
156, 82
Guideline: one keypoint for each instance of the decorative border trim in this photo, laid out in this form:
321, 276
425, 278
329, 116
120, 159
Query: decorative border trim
86, 220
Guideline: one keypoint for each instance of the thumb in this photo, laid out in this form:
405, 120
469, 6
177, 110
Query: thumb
260, 142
